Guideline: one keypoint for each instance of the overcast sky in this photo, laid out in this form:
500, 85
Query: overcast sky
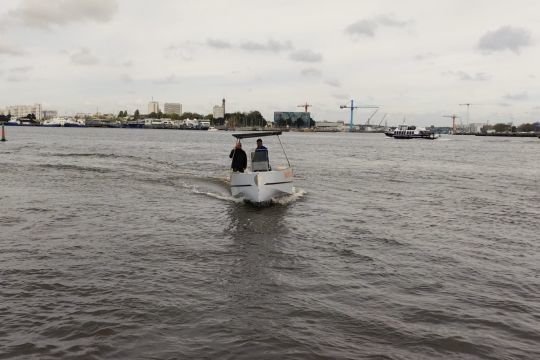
416, 59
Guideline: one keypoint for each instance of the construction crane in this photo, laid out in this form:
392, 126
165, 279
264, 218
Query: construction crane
468, 106
371, 116
453, 117
352, 107
384, 117
305, 106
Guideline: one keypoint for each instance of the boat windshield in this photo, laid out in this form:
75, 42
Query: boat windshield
259, 161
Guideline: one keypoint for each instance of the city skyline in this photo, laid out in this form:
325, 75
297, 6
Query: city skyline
417, 60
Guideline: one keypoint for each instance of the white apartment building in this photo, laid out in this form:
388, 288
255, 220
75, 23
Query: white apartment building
49, 114
219, 112
172, 108
153, 107
18, 111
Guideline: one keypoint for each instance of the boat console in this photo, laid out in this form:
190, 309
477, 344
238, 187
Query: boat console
259, 161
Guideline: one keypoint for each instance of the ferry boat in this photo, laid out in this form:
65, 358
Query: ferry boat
413, 132
65, 122
261, 183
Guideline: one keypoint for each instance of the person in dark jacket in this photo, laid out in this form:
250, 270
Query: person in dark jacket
260, 146
239, 158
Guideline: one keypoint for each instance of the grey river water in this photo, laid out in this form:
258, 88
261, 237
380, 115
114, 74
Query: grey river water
126, 244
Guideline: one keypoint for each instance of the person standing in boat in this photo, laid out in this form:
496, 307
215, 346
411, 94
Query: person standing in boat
239, 158
260, 146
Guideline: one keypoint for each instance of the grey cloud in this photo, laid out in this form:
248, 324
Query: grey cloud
21, 69
333, 82
503, 104
6, 49
341, 96
218, 44
368, 27
305, 56
391, 21
362, 27
505, 38
426, 56
84, 57
126, 78
517, 96
271, 46
462, 75
185, 51
311, 72
16, 78
168, 80
43, 14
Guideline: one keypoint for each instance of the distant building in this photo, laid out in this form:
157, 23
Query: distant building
49, 114
18, 111
284, 119
153, 107
474, 127
172, 108
219, 111
81, 115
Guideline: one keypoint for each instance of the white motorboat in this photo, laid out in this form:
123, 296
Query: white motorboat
54, 122
261, 183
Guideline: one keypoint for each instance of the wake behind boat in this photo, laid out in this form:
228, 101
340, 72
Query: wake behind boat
261, 183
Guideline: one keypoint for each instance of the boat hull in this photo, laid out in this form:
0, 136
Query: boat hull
260, 188
417, 136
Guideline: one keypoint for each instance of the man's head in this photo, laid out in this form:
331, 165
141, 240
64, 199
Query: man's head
239, 145
259, 142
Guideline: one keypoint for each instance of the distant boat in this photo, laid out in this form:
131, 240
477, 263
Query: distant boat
260, 183
54, 122
413, 132
71, 122
65, 122
20, 122
13, 122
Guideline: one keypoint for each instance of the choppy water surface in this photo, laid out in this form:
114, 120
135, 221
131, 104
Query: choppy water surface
126, 244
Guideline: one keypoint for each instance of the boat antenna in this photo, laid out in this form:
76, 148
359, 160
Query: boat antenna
284, 151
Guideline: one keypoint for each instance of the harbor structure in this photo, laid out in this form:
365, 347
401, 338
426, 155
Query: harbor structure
172, 108
330, 126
